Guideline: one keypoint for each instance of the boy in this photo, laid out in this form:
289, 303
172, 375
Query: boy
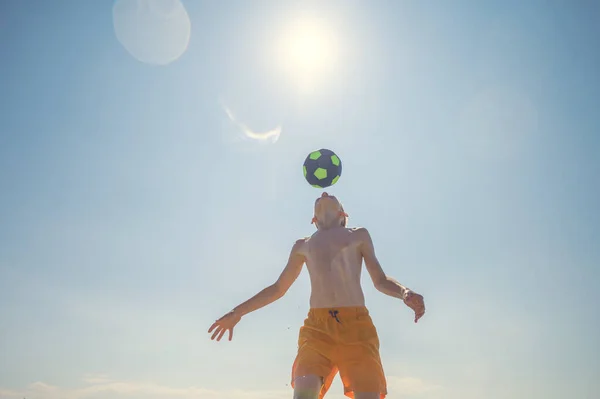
338, 334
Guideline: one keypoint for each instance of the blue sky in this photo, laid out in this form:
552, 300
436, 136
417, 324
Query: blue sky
133, 212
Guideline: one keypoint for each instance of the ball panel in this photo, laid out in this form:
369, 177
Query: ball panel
320, 173
315, 155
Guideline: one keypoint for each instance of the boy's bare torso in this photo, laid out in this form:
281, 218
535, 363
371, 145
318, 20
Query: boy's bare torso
334, 262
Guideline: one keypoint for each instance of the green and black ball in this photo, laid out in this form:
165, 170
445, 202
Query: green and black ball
322, 168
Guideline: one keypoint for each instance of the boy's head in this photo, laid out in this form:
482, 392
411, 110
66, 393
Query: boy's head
329, 212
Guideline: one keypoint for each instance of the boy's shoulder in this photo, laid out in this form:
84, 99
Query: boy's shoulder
357, 229
359, 232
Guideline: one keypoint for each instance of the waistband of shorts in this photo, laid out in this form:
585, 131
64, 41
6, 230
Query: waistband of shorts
342, 311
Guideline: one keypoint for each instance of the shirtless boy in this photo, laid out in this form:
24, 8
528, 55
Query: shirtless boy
338, 333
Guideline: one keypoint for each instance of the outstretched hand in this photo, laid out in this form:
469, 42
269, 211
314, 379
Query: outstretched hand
224, 324
416, 303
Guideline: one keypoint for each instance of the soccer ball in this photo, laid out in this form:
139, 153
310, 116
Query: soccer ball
322, 168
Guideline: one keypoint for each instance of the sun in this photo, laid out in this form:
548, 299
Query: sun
308, 51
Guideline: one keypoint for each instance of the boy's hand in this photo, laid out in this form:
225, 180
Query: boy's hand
224, 324
415, 302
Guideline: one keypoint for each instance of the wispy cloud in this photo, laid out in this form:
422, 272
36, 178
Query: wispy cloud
410, 386
102, 387
96, 379
270, 135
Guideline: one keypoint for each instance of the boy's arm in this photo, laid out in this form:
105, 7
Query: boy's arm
386, 284
382, 282
276, 290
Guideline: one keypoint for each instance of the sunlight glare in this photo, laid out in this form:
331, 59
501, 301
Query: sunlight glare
308, 52
271, 135
152, 31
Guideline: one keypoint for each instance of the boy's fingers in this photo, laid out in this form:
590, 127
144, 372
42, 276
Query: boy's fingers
418, 315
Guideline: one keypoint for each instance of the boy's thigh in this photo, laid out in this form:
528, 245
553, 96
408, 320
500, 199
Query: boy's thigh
361, 371
312, 362
307, 386
358, 358
367, 395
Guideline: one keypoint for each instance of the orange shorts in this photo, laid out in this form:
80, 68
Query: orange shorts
345, 340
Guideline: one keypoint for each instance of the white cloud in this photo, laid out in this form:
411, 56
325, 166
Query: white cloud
7, 393
102, 387
410, 386
96, 378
